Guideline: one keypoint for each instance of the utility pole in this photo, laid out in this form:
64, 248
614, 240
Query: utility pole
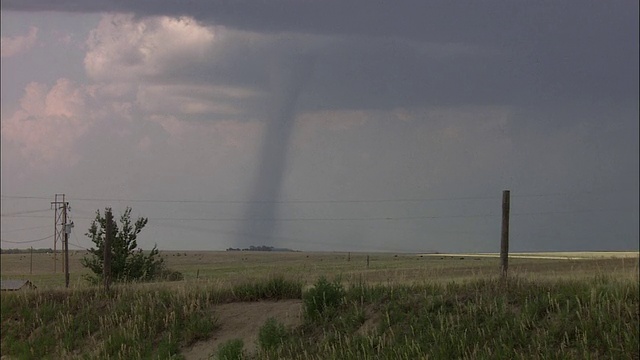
61, 233
31, 261
106, 266
67, 231
59, 220
504, 238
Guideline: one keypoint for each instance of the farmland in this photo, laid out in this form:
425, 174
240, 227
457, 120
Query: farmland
378, 306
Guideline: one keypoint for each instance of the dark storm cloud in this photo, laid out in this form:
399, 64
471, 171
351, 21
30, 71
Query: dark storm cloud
543, 51
488, 22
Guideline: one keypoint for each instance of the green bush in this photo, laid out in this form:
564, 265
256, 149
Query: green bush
128, 262
323, 299
272, 334
231, 350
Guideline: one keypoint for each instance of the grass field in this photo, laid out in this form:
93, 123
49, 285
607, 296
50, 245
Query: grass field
233, 267
399, 306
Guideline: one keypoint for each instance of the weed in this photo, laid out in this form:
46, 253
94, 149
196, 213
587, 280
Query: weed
323, 300
271, 335
231, 350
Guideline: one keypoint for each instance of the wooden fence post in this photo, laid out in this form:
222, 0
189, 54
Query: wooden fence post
504, 238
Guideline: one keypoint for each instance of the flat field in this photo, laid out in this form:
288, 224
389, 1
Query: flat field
273, 305
380, 268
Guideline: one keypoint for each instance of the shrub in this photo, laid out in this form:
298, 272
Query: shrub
323, 299
231, 350
272, 334
128, 262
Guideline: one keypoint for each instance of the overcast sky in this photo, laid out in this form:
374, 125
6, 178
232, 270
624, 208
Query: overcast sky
324, 125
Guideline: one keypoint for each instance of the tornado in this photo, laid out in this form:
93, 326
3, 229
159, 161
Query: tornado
288, 77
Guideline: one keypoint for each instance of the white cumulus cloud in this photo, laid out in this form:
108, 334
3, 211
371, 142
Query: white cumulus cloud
12, 46
128, 48
48, 122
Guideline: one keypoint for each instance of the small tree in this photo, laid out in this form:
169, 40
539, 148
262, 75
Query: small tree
128, 263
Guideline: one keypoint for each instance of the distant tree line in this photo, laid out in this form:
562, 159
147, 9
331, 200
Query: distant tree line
253, 248
259, 248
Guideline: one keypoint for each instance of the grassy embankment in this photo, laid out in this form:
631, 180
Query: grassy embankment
541, 312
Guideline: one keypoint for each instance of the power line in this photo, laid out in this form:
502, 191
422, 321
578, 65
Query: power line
28, 228
577, 193
391, 218
24, 197
208, 230
326, 219
26, 242
286, 201
23, 212
302, 201
294, 201
386, 218
27, 216
573, 212
78, 246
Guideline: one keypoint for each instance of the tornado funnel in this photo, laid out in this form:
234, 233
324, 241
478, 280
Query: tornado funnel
288, 78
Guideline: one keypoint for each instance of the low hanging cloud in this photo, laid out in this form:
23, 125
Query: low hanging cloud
16, 45
174, 67
192, 70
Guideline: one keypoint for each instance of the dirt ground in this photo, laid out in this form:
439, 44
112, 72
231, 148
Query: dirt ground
243, 321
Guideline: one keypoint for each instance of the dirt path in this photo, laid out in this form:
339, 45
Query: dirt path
243, 321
